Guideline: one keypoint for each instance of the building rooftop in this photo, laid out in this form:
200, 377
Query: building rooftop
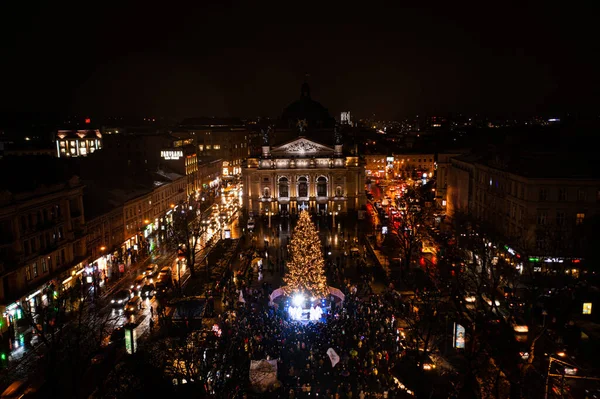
543, 165
29, 173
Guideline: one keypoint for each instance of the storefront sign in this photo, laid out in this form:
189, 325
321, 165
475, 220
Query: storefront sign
171, 154
122, 267
587, 308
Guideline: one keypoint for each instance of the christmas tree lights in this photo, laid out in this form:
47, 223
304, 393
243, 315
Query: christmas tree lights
306, 274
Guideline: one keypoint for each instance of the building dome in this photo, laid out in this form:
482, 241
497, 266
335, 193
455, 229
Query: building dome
315, 114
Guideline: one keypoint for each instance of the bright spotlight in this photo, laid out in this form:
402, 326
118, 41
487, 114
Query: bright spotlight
298, 300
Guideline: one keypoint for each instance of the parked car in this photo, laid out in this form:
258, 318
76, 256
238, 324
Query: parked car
121, 298
133, 305
138, 283
165, 273
148, 291
162, 288
151, 270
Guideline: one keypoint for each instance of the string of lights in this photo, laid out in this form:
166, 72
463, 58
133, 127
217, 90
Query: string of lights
306, 274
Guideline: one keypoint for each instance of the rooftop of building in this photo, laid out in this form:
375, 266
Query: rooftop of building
537, 164
29, 173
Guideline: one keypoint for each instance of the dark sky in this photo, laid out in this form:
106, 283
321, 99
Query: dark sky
247, 59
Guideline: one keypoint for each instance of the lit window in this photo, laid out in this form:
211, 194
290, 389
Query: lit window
62, 143
208, 147
216, 147
82, 151
580, 218
72, 150
201, 147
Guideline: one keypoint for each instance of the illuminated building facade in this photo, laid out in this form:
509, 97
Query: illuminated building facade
77, 143
304, 174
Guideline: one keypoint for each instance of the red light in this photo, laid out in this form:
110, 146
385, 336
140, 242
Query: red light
518, 256
576, 260
88, 120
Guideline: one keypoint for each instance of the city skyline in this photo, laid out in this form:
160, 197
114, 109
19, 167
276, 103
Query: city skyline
248, 60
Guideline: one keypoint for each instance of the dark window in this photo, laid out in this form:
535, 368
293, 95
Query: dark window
302, 187
560, 218
321, 187
562, 194
35, 269
27, 273
283, 188
44, 265
543, 194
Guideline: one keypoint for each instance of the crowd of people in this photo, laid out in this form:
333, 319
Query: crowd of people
362, 331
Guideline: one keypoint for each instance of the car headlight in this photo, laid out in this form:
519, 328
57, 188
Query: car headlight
131, 287
120, 301
112, 301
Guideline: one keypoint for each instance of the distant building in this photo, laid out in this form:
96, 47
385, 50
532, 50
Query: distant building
345, 118
443, 165
42, 234
77, 143
537, 202
218, 138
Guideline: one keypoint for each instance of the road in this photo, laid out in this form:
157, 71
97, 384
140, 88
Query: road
23, 360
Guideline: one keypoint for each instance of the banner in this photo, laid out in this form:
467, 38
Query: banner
459, 336
263, 374
335, 359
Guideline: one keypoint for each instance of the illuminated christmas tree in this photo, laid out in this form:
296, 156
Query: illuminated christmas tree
306, 275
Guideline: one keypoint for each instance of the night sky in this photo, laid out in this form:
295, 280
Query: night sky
249, 59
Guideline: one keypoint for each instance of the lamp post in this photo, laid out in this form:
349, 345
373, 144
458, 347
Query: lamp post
333, 214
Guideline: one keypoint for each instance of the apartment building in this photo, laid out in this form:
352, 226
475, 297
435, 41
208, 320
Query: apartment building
537, 202
42, 234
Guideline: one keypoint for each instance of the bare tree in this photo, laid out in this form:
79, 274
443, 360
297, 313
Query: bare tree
71, 330
188, 231
478, 287
411, 227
